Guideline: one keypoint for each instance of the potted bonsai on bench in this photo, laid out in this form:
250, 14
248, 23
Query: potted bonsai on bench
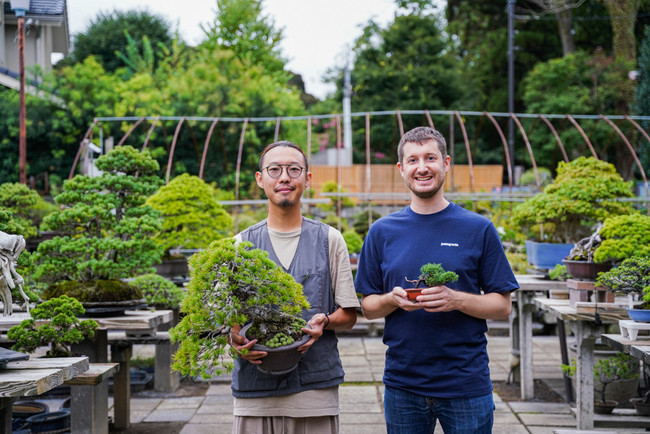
584, 192
106, 233
230, 285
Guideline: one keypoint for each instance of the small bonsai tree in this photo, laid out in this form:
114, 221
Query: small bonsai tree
106, 230
583, 193
53, 323
624, 236
608, 370
434, 275
232, 285
192, 216
158, 291
558, 273
353, 240
630, 278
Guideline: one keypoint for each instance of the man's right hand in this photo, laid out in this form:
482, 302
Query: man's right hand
240, 343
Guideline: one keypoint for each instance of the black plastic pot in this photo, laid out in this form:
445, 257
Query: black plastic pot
54, 421
280, 360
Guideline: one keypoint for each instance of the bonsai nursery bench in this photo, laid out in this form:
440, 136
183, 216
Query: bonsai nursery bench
165, 381
89, 398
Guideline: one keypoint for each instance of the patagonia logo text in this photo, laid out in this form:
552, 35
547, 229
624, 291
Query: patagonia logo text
449, 244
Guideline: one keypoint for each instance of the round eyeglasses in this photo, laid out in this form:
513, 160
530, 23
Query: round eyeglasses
275, 170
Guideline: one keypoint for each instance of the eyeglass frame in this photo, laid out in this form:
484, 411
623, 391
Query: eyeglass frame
282, 168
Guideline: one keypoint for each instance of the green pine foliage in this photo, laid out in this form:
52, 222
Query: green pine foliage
54, 323
231, 284
435, 275
624, 236
192, 216
159, 291
584, 193
631, 277
106, 230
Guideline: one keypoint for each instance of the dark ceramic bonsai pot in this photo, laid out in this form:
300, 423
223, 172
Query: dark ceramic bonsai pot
281, 360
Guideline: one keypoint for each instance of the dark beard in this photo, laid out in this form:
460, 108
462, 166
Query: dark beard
428, 194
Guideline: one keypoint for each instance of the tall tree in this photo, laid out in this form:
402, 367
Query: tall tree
641, 105
562, 11
107, 35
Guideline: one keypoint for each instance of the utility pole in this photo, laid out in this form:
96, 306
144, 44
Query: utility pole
20, 7
511, 80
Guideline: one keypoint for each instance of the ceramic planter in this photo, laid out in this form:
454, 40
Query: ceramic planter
641, 406
412, 293
604, 407
639, 315
587, 270
281, 360
546, 255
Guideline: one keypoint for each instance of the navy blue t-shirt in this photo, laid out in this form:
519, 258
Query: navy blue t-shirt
442, 354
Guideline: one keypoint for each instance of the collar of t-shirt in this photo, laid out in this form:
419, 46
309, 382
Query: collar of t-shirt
285, 245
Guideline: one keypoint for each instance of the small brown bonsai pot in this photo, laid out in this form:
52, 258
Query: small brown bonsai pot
586, 269
641, 405
412, 293
606, 407
281, 360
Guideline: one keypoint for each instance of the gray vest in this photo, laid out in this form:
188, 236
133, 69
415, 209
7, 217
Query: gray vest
320, 367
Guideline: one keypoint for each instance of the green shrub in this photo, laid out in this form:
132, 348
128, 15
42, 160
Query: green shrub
353, 240
623, 237
192, 216
27, 207
159, 291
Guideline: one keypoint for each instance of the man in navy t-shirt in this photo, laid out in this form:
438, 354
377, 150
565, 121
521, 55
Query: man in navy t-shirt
437, 362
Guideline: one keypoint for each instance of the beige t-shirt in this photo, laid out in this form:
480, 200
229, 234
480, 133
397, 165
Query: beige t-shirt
310, 403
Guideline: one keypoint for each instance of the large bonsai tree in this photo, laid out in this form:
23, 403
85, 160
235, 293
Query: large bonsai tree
192, 216
583, 194
232, 285
106, 230
27, 207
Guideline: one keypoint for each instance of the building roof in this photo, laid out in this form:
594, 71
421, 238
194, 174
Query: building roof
40, 7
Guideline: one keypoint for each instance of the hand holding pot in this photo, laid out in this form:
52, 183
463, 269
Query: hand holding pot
240, 343
314, 328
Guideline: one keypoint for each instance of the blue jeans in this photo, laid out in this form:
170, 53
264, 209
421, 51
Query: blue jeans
409, 413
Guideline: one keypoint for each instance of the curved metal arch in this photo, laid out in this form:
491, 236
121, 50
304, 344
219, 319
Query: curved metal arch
530, 150
146, 140
400, 123
584, 135
82, 144
556, 135
629, 147
469, 152
205, 147
505, 146
239, 154
276, 134
128, 133
428, 115
173, 148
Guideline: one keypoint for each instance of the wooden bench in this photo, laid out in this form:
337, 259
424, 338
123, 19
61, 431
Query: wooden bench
165, 381
89, 398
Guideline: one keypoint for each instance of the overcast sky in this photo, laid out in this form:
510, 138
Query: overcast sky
317, 33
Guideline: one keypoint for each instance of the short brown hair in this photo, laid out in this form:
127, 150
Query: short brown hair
284, 143
420, 135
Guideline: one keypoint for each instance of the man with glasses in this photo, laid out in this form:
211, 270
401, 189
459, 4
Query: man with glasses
305, 400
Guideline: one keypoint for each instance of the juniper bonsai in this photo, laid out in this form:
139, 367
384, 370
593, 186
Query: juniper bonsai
233, 284
53, 323
629, 278
624, 236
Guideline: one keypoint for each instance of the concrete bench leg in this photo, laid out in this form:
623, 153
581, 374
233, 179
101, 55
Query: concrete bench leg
89, 409
122, 386
165, 381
